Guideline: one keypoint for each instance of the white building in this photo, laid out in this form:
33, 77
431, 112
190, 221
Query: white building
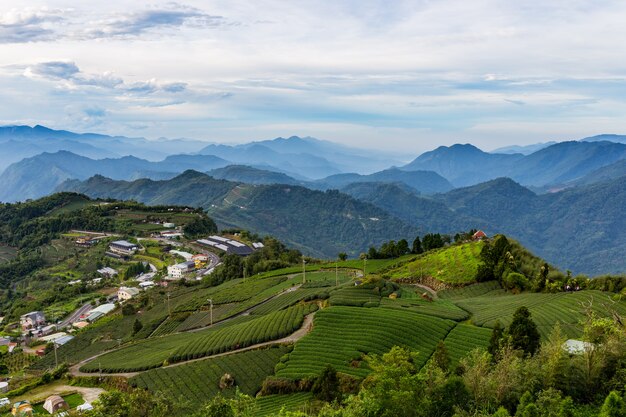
178, 271
126, 293
123, 247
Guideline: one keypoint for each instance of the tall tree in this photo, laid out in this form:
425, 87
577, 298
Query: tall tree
523, 333
417, 246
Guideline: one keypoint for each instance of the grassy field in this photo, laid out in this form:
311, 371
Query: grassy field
341, 335
7, 253
569, 309
198, 381
179, 347
456, 264
463, 339
271, 405
72, 400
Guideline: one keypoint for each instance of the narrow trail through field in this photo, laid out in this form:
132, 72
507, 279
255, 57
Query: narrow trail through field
307, 326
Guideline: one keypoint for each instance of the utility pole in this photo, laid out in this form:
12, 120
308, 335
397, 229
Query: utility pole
56, 358
211, 309
364, 263
336, 274
169, 311
303, 271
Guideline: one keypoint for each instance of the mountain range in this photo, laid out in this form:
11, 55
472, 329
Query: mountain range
563, 200
578, 229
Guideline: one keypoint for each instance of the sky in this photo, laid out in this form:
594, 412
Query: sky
399, 75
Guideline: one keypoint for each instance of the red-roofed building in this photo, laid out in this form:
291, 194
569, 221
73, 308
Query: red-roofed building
480, 235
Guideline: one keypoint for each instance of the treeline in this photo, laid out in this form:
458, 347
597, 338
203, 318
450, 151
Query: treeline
274, 255
430, 241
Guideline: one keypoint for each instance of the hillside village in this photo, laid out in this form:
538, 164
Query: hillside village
177, 307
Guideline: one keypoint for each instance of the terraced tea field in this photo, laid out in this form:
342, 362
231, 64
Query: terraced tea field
463, 339
271, 405
7, 253
154, 352
439, 308
341, 335
355, 296
197, 381
546, 309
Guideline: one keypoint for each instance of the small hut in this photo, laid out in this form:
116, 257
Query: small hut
55, 403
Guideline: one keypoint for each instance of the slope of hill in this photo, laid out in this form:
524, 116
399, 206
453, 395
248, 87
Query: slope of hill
463, 164
251, 175
427, 213
607, 138
39, 175
319, 223
425, 182
606, 173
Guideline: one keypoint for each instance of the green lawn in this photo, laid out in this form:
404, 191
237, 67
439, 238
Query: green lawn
456, 264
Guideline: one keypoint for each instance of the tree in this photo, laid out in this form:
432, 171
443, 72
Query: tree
217, 407
441, 358
342, 256
523, 333
417, 246
137, 326
495, 341
200, 226
613, 406
326, 386
402, 247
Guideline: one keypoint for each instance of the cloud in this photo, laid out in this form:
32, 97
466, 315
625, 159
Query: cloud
28, 25
138, 23
55, 70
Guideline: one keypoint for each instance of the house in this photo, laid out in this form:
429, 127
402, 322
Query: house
4, 401
55, 403
80, 324
169, 225
47, 330
22, 408
94, 316
230, 246
258, 245
170, 234
480, 235
104, 308
32, 320
123, 247
200, 259
107, 272
63, 340
146, 284
126, 293
179, 270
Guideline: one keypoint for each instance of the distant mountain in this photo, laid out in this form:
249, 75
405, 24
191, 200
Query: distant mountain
251, 175
565, 161
401, 201
606, 138
40, 175
425, 182
463, 164
320, 223
523, 149
307, 157
606, 173
18, 142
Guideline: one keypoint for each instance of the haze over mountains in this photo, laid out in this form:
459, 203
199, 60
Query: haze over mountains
281, 187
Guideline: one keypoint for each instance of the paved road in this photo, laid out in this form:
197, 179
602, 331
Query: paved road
75, 316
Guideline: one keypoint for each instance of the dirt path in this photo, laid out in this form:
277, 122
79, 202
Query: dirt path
432, 292
307, 326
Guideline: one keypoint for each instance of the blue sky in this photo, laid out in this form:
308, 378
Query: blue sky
398, 75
